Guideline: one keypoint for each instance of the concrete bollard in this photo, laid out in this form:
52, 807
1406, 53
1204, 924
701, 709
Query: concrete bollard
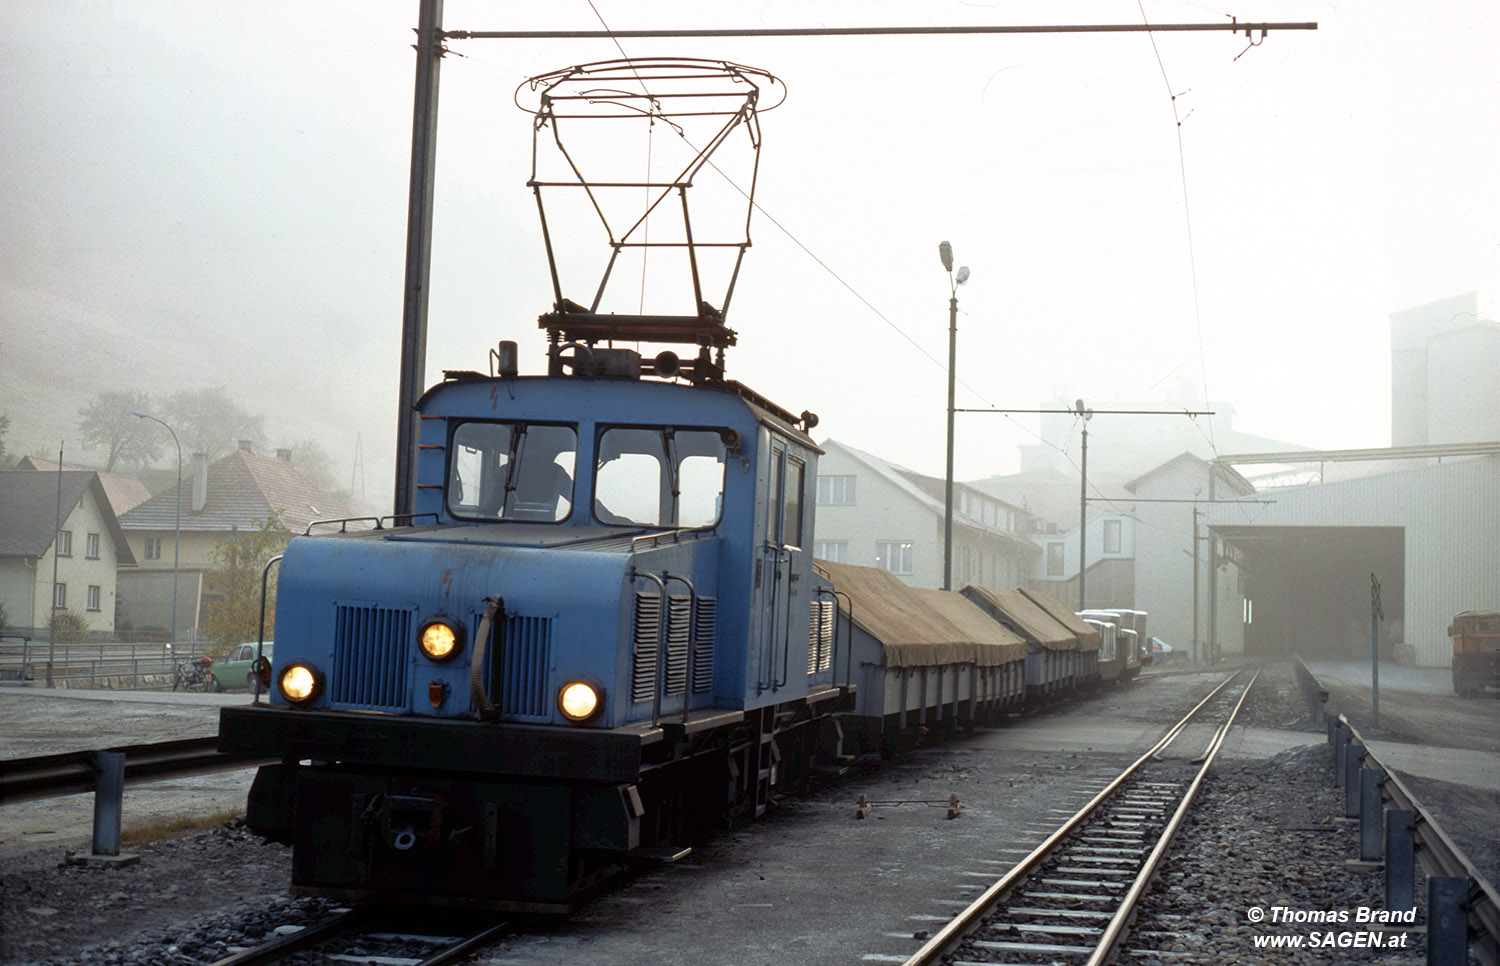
1400, 858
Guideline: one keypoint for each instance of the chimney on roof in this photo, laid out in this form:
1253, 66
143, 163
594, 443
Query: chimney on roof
246, 445
285, 455
200, 481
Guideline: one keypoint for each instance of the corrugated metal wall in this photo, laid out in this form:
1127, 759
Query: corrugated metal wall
1450, 512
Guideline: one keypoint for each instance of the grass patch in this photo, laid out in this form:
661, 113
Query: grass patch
152, 831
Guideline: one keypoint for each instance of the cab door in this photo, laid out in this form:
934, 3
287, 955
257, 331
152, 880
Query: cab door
777, 583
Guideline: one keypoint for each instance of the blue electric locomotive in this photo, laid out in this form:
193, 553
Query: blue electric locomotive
600, 632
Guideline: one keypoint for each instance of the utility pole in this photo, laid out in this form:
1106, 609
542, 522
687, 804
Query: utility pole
418, 249
1083, 507
1196, 655
1084, 413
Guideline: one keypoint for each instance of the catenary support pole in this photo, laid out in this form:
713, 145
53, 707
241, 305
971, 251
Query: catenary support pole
418, 248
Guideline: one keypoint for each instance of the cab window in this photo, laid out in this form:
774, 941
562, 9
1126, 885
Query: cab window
512, 471
791, 527
659, 477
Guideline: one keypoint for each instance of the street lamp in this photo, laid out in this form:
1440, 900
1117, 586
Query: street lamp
945, 252
177, 526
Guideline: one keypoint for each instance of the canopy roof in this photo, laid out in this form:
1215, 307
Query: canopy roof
917, 628
1024, 616
1087, 634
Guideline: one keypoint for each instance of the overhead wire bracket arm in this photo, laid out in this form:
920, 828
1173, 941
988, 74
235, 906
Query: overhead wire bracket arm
1098, 28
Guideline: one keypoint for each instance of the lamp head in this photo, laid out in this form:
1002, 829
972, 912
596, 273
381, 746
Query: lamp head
137, 414
945, 252
963, 274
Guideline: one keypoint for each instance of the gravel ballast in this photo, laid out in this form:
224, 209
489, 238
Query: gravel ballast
1266, 834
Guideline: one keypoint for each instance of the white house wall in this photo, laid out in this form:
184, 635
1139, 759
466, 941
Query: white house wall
77, 570
882, 511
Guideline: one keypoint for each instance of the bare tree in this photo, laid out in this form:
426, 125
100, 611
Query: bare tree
311, 459
208, 421
106, 424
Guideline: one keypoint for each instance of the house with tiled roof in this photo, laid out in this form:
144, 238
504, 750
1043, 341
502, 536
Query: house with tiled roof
124, 492
61, 546
214, 503
873, 512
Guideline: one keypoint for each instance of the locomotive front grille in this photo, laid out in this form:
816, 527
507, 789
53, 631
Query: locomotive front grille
371, 651
519, 656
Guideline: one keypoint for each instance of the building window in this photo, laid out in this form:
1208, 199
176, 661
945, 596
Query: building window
835, 491
65, 543
93, 597
91, 544
153, 548
1111, 536
1054, 560
60, 596
893, 556
834, 550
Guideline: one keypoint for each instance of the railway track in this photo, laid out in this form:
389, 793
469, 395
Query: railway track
392, 936
1072, 898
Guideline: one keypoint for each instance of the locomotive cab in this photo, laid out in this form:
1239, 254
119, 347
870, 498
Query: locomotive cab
599, 632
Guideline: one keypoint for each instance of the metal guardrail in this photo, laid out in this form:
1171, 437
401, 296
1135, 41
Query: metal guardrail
105, 773
1463, 908
121, 665
46, 776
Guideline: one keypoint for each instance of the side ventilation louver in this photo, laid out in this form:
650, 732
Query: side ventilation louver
679, 634
819, 636
703, 654
647, 646
685, 630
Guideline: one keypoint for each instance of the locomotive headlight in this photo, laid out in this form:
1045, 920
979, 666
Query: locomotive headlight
300, 683
440, 640
578, 701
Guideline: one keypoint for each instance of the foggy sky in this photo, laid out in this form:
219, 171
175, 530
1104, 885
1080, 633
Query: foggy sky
198, 196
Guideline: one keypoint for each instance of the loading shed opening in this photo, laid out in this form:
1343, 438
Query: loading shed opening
1306, 589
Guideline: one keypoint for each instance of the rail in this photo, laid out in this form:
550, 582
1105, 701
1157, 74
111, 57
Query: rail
1377, 796
373, 924
948, 938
